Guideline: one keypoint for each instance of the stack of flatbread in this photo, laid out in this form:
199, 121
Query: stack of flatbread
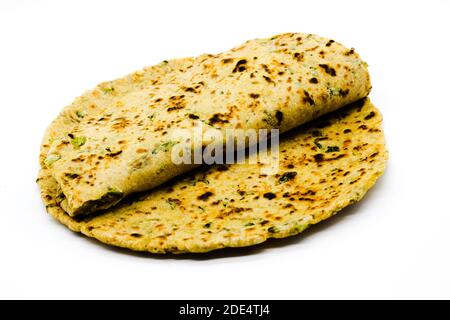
106, 165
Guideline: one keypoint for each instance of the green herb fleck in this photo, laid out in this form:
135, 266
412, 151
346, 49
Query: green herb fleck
80, 114
151, 117
273, 229
287, 176
51, 158
108, 90
225, 202
201, 179
313, 71
78, 141
173, 203
317, 143
165, 146
113, 191
249, 224
332, 149
299, 228
334, 91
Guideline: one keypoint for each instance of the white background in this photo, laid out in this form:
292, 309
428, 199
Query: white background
394, 244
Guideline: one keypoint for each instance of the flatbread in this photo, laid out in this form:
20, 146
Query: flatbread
116, 139
325, 166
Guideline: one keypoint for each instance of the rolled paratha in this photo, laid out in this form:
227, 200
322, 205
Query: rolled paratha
115, 140
325, 166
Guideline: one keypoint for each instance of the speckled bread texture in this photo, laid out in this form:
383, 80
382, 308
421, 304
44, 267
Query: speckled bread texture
115, 140
325, 166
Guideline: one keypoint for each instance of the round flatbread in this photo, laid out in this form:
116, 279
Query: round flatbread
116, 139
325, 166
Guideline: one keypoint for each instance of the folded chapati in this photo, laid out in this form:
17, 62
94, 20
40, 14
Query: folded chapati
325, 166
114, 140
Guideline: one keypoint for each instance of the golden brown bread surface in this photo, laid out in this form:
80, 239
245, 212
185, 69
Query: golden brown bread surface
116, 139
325, 166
